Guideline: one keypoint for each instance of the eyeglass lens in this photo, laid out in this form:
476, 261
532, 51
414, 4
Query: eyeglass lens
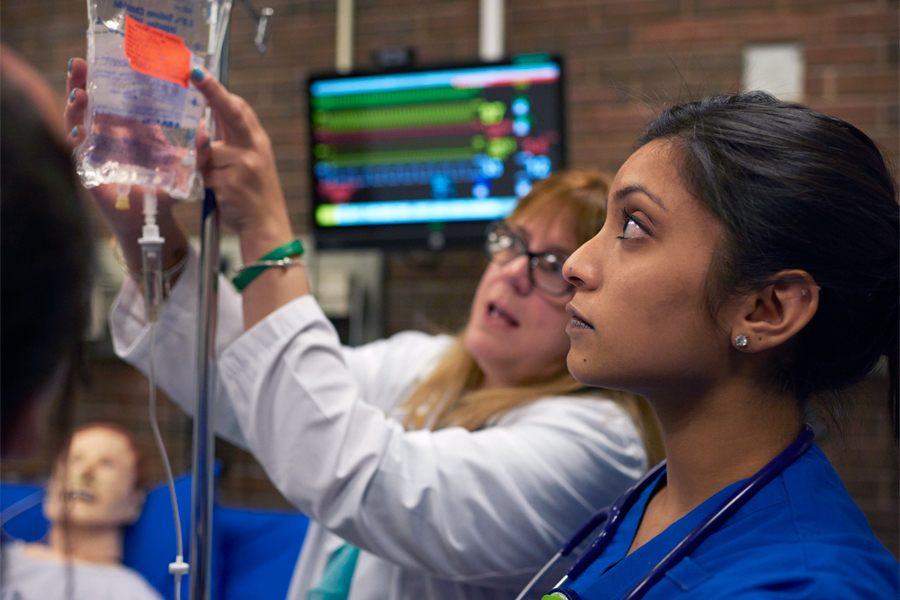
503, 245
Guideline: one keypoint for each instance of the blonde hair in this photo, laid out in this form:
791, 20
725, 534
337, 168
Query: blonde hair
451, 396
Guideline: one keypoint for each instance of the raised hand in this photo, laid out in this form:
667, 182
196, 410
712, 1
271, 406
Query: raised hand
241, 170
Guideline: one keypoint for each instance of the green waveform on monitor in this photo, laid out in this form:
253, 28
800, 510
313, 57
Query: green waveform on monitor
326, 215
445, 113
394, 98
401, 156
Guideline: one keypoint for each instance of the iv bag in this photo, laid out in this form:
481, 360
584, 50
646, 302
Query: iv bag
143, 113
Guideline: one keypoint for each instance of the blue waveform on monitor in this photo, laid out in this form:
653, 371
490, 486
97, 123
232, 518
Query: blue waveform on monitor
398, 174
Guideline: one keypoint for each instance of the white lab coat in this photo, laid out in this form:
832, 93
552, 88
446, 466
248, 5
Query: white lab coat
437, 514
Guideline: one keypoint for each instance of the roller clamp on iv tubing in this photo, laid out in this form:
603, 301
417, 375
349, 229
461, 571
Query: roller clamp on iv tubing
283, 256
169, 276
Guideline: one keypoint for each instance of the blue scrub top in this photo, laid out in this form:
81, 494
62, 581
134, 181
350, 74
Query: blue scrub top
801, 536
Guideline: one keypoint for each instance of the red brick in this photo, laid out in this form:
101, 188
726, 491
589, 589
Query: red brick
591, 94
886, 83
877, 22
570, 16
819, 7
681, 32
728, 32
641, 10
841, 55
702, 8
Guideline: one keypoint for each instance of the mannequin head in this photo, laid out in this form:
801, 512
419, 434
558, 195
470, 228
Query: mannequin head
98, 480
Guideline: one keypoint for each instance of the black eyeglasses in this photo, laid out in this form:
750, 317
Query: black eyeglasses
544, 269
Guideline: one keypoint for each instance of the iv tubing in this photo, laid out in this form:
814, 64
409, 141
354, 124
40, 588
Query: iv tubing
151, 253
176, 568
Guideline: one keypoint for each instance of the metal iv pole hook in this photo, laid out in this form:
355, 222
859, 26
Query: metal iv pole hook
263, 21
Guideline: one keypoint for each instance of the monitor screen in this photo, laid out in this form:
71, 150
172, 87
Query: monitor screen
428, 156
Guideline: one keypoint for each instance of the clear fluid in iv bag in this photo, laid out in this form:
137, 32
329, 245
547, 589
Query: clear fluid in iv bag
140, 128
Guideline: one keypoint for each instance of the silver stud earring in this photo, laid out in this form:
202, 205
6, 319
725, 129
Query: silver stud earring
804, 292
741, 341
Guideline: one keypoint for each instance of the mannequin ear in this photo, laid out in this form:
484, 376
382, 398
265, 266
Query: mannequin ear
771, 316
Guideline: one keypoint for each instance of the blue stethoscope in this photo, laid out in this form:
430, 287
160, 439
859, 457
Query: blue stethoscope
611, 518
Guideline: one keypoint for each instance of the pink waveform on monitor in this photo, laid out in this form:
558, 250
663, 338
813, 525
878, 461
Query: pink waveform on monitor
500, 129
337, 192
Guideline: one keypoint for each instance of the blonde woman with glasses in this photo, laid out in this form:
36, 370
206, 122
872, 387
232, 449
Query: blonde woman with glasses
432, 467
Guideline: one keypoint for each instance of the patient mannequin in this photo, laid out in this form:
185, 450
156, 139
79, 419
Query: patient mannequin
93, 493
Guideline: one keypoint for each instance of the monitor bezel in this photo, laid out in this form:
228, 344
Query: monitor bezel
427, 235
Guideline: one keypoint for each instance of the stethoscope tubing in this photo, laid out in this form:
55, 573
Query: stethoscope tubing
610, 516
589, 526
711, 523
616, 512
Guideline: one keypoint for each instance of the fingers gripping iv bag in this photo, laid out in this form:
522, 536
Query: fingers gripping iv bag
143, 113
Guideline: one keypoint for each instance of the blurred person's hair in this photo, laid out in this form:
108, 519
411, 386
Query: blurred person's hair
46, 250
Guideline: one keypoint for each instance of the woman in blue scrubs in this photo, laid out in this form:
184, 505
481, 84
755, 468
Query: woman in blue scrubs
747, 267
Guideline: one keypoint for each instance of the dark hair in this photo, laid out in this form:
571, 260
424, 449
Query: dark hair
798, 189
45, 254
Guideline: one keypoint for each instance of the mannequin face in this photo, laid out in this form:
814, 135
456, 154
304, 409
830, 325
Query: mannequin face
97, 481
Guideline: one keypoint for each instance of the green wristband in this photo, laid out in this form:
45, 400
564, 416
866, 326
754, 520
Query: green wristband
279, 257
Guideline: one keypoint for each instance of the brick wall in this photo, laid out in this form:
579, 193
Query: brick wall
625, 59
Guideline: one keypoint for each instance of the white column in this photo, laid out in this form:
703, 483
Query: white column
491, 32
343, 47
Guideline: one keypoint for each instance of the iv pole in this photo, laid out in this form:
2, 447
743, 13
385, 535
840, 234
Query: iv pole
203, 451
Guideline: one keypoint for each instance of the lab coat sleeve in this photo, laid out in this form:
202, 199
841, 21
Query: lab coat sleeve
175, 346
473, 507
387, 370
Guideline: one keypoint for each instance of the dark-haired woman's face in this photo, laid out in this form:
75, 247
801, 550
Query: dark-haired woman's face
638, 320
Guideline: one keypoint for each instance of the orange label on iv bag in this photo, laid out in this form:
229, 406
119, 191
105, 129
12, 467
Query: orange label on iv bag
154, 52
